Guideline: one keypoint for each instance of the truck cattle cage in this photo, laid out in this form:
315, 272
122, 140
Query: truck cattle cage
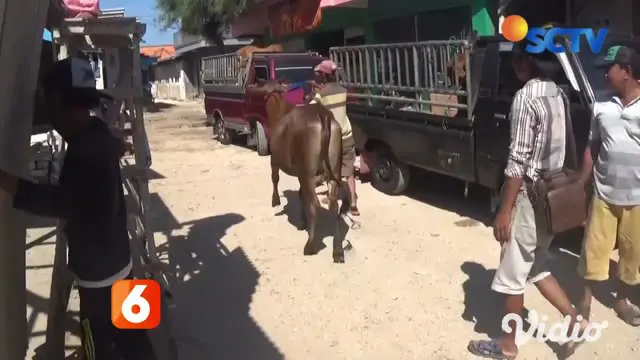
230, 69
221, 70
430, 76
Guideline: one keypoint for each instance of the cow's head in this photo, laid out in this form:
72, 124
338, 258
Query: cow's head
275, 103
457, 68
273, 87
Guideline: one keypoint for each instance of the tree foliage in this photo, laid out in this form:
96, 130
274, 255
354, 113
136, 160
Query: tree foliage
208, 18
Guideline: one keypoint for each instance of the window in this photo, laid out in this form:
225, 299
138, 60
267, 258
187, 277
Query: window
262, 73
508, 83
295, 74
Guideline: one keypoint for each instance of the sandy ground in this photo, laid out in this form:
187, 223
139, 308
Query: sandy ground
416, 285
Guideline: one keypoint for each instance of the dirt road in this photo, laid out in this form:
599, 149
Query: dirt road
416, 285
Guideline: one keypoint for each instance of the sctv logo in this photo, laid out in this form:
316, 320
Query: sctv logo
515, 28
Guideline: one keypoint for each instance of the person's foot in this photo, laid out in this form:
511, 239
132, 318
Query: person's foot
490, 349
570, 347
628, 312
354, 211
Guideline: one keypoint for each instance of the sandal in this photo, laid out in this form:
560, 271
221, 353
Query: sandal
354, 211
489, 349
570, 348
631, 315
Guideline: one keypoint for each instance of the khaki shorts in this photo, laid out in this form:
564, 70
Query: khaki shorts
524, 258
607, 225
348, 160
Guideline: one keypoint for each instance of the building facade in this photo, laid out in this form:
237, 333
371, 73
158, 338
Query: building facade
367, 21
364, 21
178, 75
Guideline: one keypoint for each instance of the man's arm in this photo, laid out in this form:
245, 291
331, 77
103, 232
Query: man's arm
316, 99
592, 149
523, 121
87, 192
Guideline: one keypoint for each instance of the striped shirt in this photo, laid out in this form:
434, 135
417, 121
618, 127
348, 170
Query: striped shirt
617, 168
537, 130
334, 97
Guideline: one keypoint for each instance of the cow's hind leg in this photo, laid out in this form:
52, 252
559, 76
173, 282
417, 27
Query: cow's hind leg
275, 178
303, 211
310, 205
338, 251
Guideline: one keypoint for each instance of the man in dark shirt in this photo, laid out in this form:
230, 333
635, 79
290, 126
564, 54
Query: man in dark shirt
90, 198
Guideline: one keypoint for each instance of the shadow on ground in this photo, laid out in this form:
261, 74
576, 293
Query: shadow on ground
448, 194
237, 140
326, 224
484, 307
40, 305
212, 287
157, 106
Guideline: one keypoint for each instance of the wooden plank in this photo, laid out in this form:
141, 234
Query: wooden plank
61, 283
135, 172
134, 197
124, 27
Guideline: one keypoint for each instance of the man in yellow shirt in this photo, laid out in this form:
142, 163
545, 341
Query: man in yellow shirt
334, 97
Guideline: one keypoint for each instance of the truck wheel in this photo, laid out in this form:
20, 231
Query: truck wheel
223, 133
261, 138
388, 175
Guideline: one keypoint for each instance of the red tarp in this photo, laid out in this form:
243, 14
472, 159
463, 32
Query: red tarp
290, 17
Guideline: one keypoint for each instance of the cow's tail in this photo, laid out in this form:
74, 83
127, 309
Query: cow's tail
325, 120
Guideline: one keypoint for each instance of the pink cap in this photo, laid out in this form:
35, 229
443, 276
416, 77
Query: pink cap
326, 67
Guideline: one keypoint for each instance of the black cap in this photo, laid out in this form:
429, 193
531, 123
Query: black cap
546, 62
620, 55
74, 78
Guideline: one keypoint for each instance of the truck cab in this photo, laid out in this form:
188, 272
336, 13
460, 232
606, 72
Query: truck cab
234, 100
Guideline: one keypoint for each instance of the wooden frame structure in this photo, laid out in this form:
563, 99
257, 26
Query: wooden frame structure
119, 38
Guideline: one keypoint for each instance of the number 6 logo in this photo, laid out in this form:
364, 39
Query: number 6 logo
135, 304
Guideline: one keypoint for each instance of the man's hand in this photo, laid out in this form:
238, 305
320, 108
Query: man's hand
8, 182
502, 226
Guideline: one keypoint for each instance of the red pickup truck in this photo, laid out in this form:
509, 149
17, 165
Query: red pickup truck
233, 106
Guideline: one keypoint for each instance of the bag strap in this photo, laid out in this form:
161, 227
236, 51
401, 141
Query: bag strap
570, 156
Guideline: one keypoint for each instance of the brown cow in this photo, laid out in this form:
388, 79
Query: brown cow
304, 141
457, 70
245, 52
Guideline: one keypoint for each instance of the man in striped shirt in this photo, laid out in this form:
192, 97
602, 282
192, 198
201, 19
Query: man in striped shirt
538, 118
615, 209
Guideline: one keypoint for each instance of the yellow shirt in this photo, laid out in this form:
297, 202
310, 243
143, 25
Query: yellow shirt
334, 98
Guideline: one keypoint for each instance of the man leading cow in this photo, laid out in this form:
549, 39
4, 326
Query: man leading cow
334, 97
